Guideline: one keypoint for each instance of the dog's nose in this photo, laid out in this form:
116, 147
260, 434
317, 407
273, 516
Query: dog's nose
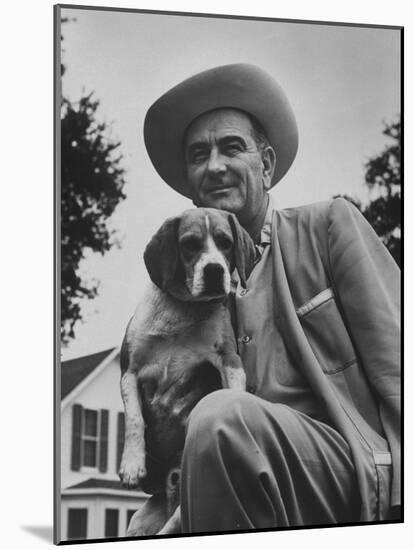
213, 271
213, 278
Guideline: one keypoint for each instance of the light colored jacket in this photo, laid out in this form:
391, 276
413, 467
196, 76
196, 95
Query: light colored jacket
336, 292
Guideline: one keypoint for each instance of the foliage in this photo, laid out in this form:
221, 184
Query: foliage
92, 179
383, 177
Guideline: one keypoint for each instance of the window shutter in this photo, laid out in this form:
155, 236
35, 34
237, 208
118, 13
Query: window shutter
103, 441
76, 437
120, 439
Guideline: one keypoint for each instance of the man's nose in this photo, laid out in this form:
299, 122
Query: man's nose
216, 163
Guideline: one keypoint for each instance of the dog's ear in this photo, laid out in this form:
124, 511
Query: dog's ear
161, 254
244, 250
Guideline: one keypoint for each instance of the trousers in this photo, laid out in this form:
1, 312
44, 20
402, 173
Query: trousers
252, 464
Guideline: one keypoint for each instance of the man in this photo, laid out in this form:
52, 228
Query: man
315, 440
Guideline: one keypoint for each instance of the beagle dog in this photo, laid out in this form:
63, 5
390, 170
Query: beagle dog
180, 345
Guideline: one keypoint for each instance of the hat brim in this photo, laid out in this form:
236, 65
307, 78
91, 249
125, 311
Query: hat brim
240, 86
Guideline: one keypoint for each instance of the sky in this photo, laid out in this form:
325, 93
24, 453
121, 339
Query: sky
343, 84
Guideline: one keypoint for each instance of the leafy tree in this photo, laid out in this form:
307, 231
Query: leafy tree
92, 180
383, 177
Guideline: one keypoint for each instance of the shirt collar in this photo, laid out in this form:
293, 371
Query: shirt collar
265, 237
266, 231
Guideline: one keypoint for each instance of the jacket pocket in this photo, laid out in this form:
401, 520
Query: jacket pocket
326, 332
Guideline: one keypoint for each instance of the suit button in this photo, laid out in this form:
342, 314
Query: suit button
243, 292
246, 339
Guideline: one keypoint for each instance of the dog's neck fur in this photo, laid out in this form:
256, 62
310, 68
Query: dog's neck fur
161, 313
197, 309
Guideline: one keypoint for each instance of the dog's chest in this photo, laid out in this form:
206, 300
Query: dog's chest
191, 343
167, 329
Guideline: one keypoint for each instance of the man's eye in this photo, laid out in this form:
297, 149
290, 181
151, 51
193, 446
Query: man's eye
233, 148
198, 156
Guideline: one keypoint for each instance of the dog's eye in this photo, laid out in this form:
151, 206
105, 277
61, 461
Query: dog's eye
190, 244
223, 242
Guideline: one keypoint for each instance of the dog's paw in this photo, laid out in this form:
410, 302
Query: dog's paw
132, 471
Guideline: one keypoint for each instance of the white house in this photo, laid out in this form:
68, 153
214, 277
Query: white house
93, 503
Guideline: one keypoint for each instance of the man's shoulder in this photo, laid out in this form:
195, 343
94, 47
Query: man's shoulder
315, 213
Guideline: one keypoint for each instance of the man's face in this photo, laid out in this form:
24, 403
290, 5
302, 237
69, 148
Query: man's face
224, 166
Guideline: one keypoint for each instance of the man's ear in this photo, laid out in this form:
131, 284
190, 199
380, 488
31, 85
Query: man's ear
269, 165
244, 250
161, 254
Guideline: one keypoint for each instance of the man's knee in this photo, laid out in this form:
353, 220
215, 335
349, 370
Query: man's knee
216, 409
217, 413
230, 411
222, 411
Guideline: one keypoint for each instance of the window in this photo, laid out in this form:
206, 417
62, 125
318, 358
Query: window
89, 450
77, 523
111, 522
89, 438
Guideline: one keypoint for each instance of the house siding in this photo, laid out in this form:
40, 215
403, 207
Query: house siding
102, 393
99, 391
96, 506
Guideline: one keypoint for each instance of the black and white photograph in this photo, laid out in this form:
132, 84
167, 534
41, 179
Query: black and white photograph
228, 225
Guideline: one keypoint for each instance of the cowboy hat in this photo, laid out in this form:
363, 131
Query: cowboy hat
239, 86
